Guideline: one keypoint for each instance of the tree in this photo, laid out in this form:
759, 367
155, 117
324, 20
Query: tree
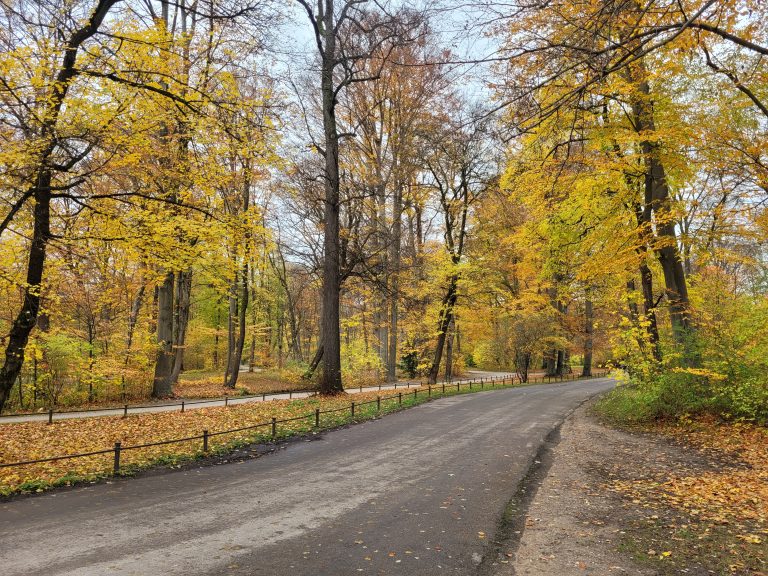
43, 176
346, 36
77, 137
457, 173
388, 117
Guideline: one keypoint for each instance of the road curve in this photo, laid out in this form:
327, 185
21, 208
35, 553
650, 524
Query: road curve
417, 492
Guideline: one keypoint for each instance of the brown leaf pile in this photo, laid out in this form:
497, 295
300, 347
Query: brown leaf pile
248, 383
736, 493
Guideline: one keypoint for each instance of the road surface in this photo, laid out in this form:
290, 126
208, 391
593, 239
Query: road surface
419, 492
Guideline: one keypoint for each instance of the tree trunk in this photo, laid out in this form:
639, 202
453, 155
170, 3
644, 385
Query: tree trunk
449, 350
560, 363
314, 363
649, 309
657, 197
216, 336
133, 318
162, 385
446, 315
523, 365
242, 309
183, 292
280, 334
294, 345
330, 381
550, 362
586, 369
382, 296
382, 328
231, 317
394, 282
40, 191
27, 316
254, 318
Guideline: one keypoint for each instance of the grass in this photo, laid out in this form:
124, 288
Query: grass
671, 548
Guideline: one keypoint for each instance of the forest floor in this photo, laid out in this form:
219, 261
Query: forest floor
689, 498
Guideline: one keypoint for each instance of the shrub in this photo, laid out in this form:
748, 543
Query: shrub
409, 363
683, 392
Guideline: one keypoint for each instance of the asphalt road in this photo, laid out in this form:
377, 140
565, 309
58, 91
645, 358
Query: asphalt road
419, 492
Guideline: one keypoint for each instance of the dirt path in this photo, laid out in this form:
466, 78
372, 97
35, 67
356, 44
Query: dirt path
575, 524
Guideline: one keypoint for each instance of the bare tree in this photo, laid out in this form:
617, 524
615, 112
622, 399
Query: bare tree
346, 36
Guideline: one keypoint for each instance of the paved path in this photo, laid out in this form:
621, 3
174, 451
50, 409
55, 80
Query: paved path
419, 492
194, 403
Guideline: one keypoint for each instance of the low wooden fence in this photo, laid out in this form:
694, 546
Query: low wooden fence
431, 391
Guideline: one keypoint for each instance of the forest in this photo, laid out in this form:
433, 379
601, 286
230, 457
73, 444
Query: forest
219, 196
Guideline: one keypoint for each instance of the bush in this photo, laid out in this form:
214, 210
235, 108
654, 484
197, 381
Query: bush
409, 363
746, 400
684, 392
627, 404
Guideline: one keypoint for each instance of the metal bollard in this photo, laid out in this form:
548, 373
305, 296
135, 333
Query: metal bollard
443, 387
116, 467
205, 440
378, 403
415, 392
317, 417
125, 411
50, 416
400, 398
352, 409
226, 401
182, 405
429, 391
274, 426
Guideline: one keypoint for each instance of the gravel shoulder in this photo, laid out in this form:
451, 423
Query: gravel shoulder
573, 523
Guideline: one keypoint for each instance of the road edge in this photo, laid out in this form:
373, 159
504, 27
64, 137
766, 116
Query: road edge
511, 525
